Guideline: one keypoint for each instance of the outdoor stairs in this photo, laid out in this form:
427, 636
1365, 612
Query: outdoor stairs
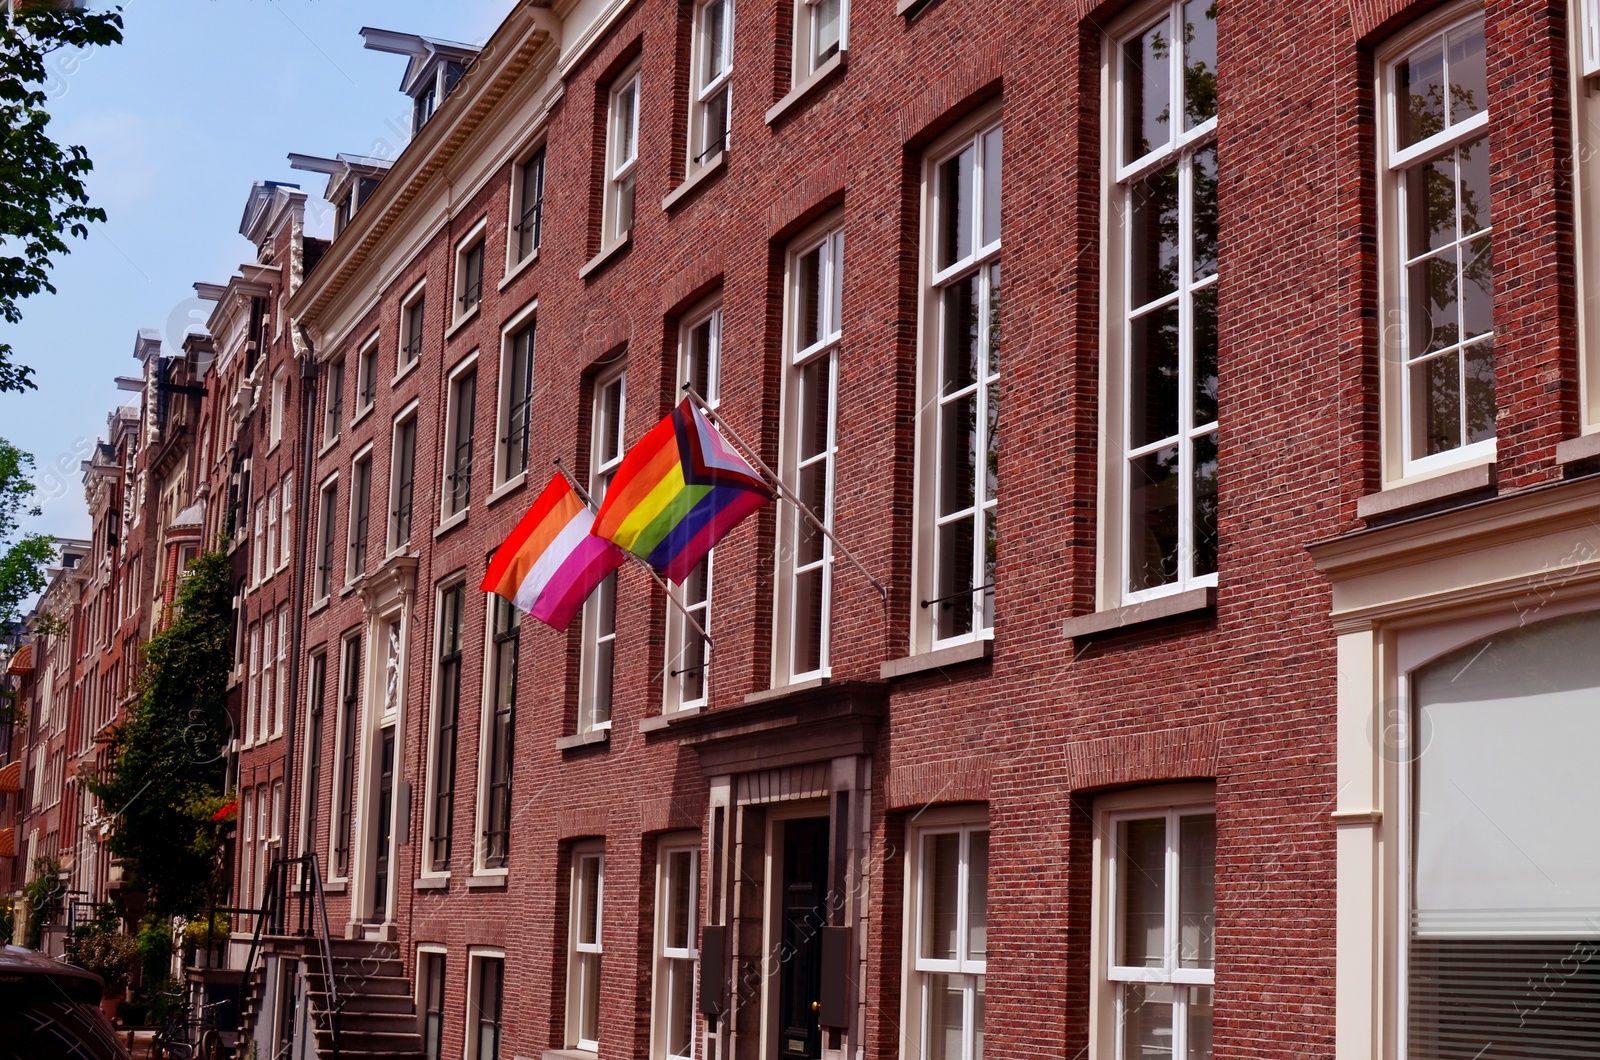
378, 1016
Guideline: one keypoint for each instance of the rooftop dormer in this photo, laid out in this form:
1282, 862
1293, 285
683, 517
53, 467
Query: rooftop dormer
434, 69
351, 181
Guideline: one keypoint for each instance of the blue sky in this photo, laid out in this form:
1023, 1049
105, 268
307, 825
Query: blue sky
201, 98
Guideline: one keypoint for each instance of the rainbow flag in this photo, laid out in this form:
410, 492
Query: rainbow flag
677, 492
550, 563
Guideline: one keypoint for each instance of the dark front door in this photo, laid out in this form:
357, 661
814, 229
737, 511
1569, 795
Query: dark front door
380, 873
804, 912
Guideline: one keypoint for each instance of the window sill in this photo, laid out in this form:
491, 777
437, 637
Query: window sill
487, 881
662, 721
583, 739
327, 447
407, 370
1438, 490
363, 414
696, 180
568, 1054
767, 695
1188, 602
517, 269
605, 255
335, 886
431, 883
973, 651
451, 523
1583, 447
506, 488
823, 74
461, 322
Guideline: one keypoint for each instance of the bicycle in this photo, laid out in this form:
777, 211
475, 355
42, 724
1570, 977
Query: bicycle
172, 1041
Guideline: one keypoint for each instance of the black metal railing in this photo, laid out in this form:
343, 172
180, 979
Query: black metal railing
302, 913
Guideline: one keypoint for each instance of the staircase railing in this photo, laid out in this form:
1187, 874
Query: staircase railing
310, 921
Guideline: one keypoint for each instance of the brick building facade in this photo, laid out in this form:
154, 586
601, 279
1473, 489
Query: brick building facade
1197, 577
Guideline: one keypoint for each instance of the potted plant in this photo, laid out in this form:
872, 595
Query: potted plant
112, 956
204, 935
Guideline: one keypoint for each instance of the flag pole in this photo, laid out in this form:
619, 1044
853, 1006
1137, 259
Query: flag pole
783, 491
588, 502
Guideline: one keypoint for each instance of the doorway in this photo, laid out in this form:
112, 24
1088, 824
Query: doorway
802, 905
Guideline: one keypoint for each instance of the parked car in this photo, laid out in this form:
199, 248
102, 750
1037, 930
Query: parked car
51, 1011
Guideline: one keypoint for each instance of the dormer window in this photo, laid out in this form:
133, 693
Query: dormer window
426, 103
344, 210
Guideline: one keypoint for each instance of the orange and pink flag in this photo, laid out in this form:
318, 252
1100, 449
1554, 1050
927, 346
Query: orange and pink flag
550, 563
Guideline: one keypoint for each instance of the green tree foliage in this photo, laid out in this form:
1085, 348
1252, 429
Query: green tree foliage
163, 784
42, 195
22, 558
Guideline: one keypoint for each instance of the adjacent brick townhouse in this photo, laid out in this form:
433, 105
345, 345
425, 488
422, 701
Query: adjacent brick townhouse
1206, 628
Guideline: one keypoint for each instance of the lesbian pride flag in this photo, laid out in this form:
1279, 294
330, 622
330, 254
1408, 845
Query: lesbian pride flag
677, 493
551, 562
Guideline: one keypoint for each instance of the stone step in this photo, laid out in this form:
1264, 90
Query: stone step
358, 985
402, 1004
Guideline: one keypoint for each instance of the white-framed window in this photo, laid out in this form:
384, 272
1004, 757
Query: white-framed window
430, 999
514, 417
586, 902
688, 660
610, 406
677, 948
1155, 914
276, 408
346, 749
469, 272
258, 547
959, 378
497, 738
402, 477
1436, 259
360, 512
269, 550
808, 445
311, 788
821, 31
286, 523
1157, 518
1497, 908
461, 409
413, 315
486, 975
622, 157
333, 416
268, 694
948, 933
247, 846
252, 686
440, 815
327, 508
367, 376
527, 206
280, 697
711, 76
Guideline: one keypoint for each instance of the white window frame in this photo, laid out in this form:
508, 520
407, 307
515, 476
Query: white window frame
269, 684
621, 168
473, 240
333, 399
327, 513
576, 950
594, 618
350, 572
430, 765
1585, 60
515, 258
829, 239
476, 955
1115, 488
452, 413
679, 633
703, 93
986, 252
252, 687
420, 996
275, 422
406, 416
258, 546
668, 959
526, 317
404, 335
1170, 802
280, 692
347, 777
286, 520
807, 63
486, 717
366, 378
963, 821
271, 548
1399, 465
